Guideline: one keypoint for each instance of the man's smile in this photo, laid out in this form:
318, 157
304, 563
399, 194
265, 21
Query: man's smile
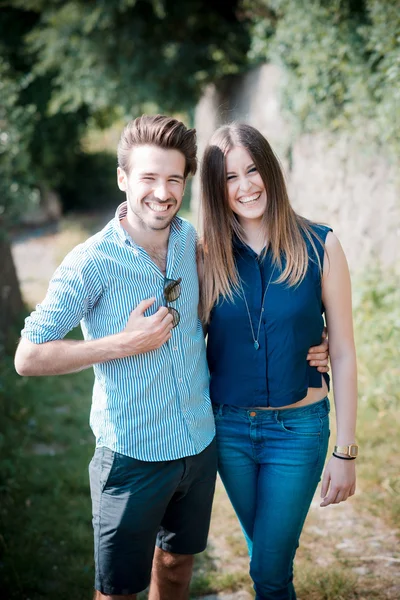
158, 207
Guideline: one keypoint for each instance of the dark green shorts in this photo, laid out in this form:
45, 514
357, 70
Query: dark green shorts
138, 504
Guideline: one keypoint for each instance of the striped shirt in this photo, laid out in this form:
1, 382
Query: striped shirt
152, 406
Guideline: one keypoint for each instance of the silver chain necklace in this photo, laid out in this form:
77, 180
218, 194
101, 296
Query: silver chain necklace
255, 339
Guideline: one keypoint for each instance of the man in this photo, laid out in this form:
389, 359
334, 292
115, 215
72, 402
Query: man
133, 287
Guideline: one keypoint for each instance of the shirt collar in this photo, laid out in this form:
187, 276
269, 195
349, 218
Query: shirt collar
121, 212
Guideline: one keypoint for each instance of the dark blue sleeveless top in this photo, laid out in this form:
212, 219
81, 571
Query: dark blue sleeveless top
277, 373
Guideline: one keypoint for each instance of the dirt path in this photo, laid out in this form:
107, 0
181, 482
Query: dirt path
353, 545
35, 260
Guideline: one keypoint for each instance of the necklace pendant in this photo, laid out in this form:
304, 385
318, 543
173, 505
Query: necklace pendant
256, 345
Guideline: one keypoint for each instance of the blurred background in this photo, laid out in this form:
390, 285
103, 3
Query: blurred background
321, 79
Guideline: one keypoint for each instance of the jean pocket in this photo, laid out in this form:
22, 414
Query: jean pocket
107, 466
305, 427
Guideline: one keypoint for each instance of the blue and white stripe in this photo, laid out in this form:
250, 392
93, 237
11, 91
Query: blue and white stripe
153, 406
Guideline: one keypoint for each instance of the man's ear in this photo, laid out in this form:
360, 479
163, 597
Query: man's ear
122, 179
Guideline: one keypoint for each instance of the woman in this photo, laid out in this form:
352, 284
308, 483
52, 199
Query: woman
269, 275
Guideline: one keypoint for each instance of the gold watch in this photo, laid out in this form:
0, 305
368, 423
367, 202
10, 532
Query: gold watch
349, 450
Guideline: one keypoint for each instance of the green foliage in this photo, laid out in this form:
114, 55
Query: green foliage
68, 64
342, 60
37, 150
383, 45
15, 131
135, 53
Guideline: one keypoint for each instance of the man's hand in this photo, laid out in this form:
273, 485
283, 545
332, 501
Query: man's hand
143, 334
318, 356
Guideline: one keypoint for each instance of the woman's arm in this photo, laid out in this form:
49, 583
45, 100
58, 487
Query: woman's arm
339, 479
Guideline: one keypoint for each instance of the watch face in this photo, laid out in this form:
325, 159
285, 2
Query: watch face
353, 450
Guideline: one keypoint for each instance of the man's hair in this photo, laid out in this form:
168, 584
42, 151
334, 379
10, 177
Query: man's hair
161, 131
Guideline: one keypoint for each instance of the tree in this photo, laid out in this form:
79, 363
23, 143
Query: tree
131, 53
76, 60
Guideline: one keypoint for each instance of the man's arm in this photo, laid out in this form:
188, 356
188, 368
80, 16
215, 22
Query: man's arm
141, 334
63, 356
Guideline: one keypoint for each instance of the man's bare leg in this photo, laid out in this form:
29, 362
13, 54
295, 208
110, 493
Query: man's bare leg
100, 596
171, 575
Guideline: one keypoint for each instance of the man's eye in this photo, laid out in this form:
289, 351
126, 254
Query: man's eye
148, 178
174, 181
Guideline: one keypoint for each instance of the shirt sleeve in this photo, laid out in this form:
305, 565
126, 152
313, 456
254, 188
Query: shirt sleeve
73, 290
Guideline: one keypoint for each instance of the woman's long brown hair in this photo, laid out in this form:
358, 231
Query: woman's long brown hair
284, 229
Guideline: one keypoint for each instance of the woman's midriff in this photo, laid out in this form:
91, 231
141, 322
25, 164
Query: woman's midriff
313, 395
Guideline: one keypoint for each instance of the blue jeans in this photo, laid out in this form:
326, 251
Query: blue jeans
270, 462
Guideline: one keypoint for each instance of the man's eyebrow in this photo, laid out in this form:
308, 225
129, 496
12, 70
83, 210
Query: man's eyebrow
247, 168
157, 174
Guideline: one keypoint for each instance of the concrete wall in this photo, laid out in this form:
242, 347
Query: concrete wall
330, 179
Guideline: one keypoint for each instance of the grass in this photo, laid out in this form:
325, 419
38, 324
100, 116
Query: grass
316, 583
45, 448
46, 445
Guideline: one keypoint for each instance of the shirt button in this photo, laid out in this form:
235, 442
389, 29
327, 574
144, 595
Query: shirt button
175, 348
253, 414
180, 380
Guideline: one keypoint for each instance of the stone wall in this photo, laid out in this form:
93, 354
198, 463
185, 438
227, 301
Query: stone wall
330, 179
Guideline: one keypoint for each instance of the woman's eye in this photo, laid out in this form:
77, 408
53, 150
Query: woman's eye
230, 177
253, 170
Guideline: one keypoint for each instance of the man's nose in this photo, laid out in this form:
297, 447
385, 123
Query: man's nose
161, 192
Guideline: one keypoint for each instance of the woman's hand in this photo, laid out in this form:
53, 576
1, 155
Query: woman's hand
339, 481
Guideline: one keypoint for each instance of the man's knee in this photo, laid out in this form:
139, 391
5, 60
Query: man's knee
173, 567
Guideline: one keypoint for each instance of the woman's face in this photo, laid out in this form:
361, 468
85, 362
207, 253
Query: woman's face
247, 195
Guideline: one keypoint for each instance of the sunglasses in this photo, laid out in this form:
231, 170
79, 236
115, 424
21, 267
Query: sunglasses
172, 291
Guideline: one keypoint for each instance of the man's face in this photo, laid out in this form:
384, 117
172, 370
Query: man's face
154, 186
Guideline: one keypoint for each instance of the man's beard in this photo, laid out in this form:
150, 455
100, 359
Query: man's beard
140, 215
